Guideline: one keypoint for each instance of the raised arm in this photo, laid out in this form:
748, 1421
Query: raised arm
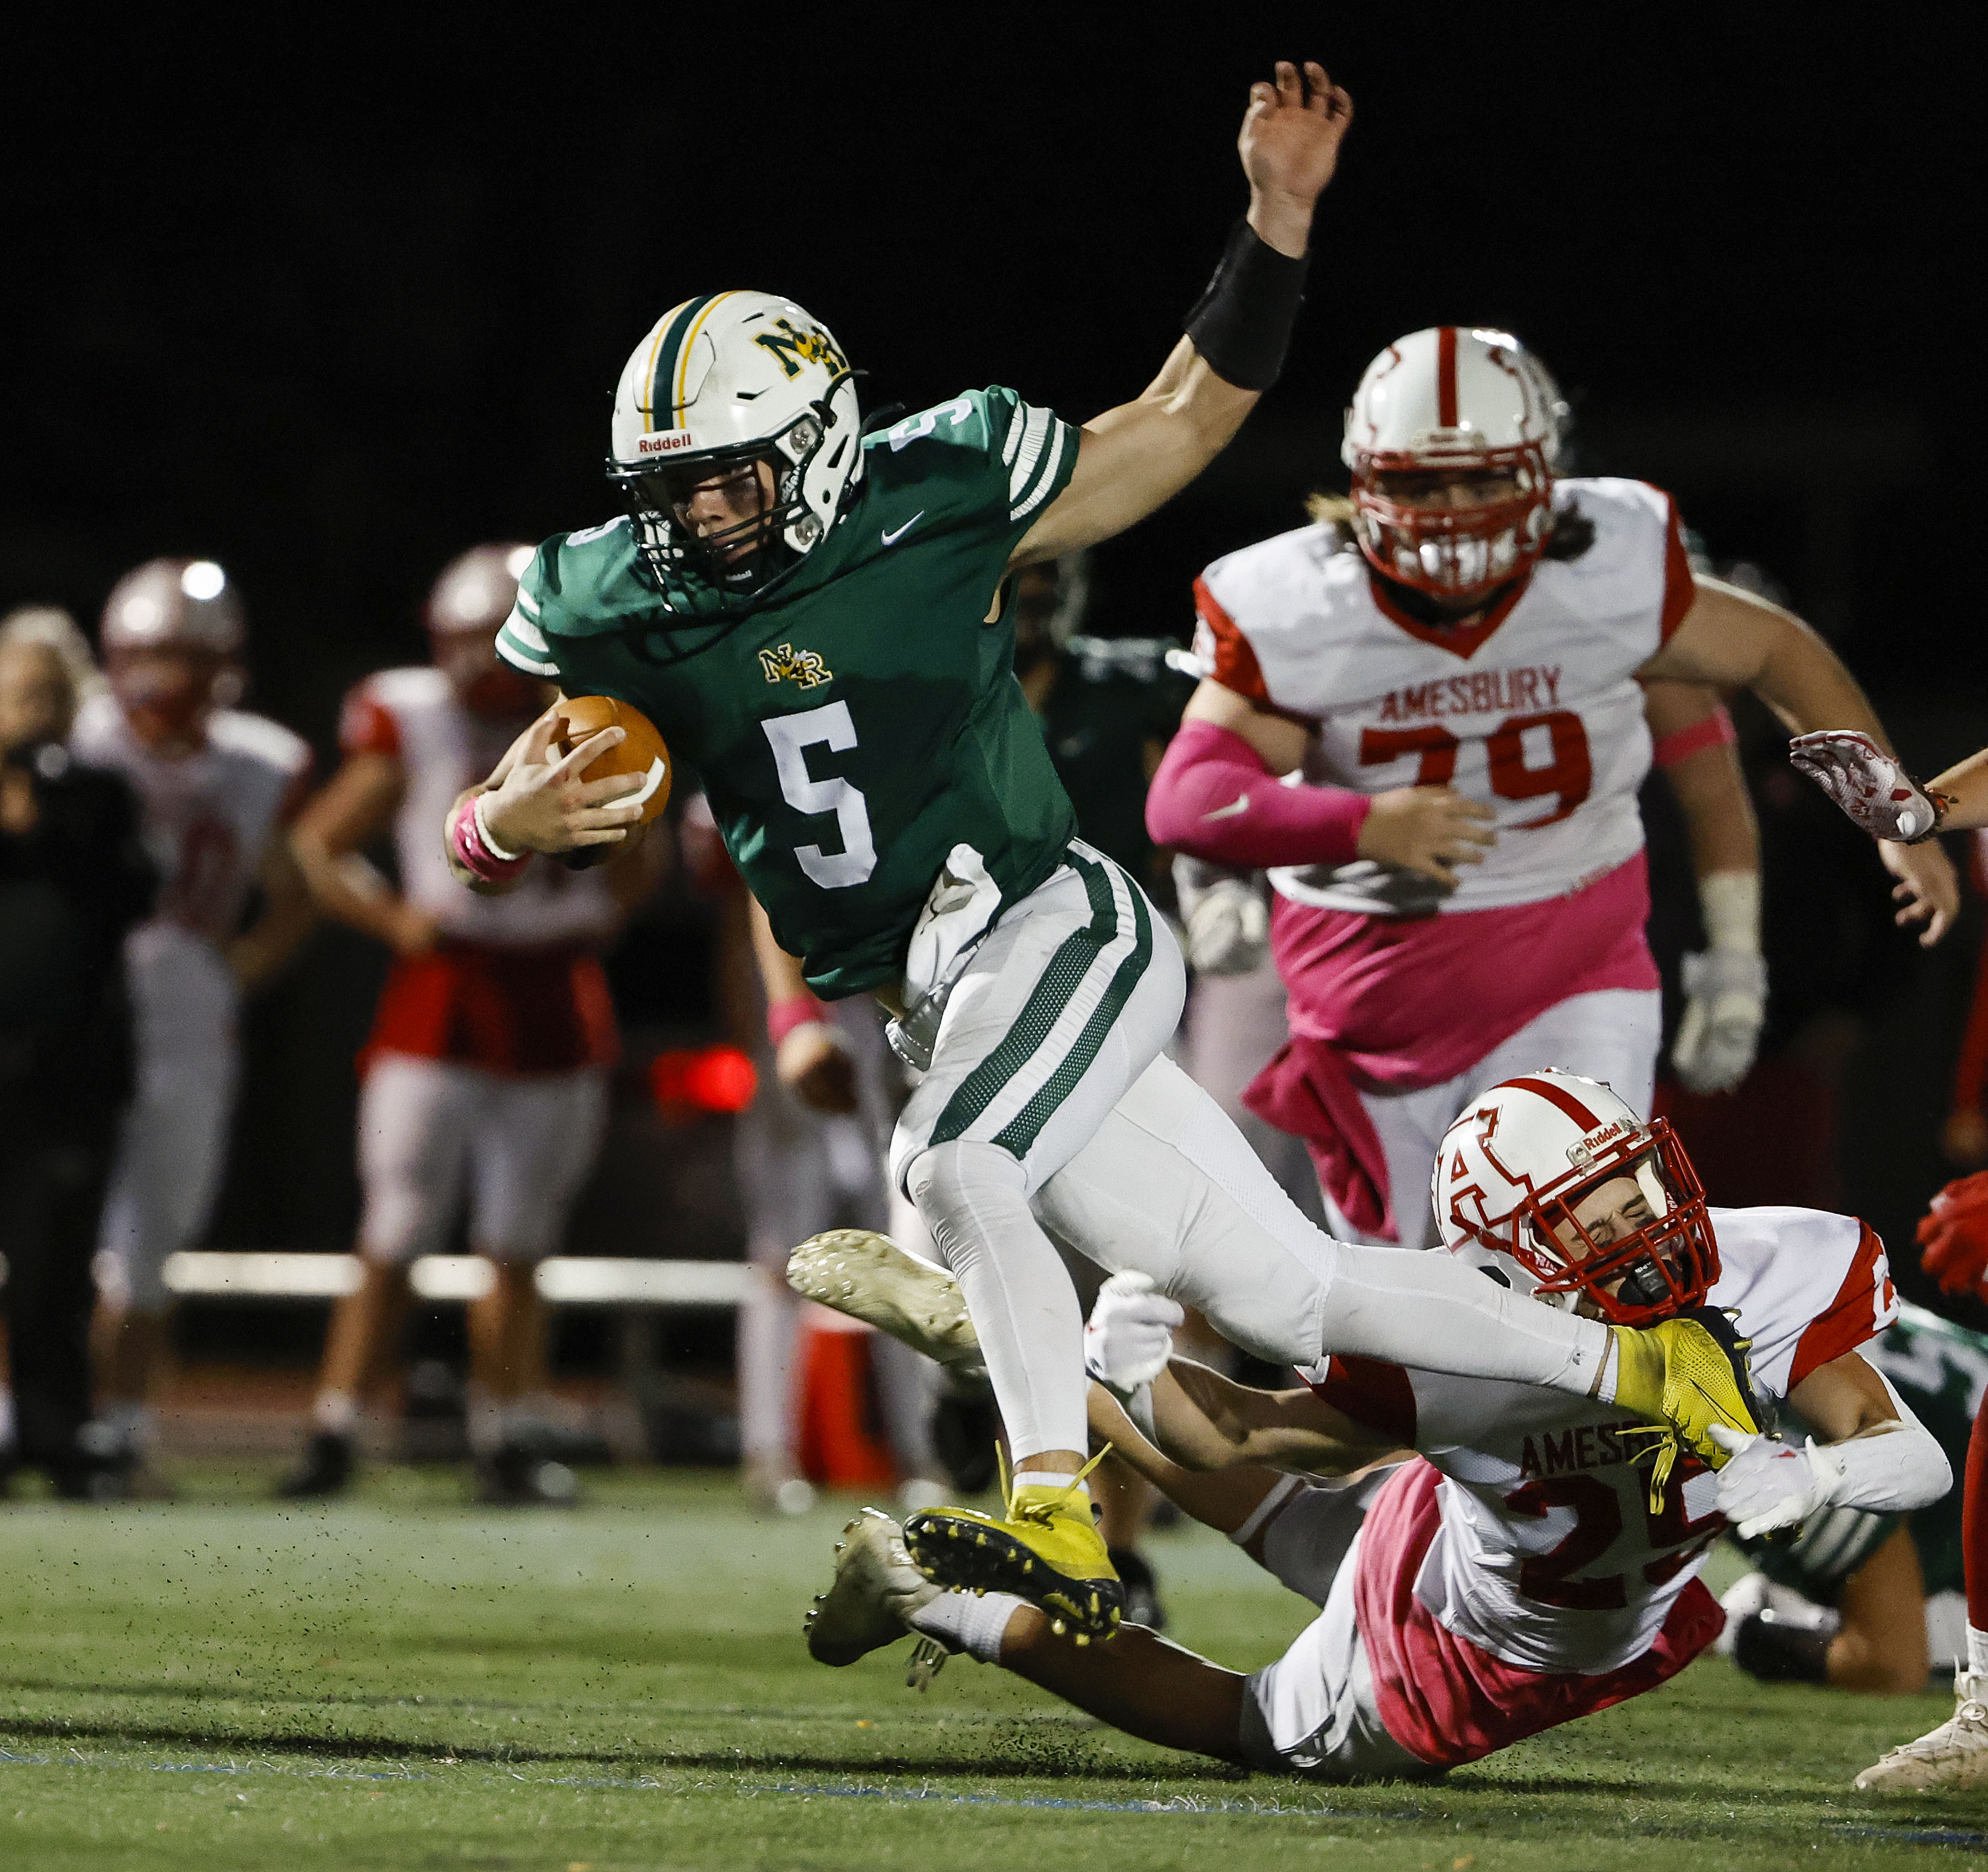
1136, 457
1733, 640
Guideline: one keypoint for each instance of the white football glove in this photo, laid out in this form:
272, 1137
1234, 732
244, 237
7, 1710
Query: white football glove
1871, 787
1769, 1485
1129, 1335
1228, 923
1726, 1002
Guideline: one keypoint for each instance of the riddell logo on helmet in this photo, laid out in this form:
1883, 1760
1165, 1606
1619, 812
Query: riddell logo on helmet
671, 441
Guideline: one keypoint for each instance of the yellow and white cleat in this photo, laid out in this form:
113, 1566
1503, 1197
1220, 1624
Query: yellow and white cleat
1952, 1759
1043, 1547
869, 1277
1690, 1372
876, 1590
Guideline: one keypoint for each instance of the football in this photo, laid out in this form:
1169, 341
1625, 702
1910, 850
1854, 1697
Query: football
642, 753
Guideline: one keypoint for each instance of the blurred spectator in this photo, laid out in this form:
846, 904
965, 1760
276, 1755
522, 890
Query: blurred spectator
489, 1061
217, 786
74, 878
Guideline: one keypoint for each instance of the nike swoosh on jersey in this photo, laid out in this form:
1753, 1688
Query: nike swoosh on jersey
892, 538
1230, 810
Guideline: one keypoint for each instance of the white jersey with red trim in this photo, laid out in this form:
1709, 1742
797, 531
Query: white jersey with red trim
1548, 1556
208, 815
414, 716
1534, 710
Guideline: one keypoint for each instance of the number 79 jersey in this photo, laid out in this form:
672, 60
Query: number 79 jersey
861, 726
1534, 710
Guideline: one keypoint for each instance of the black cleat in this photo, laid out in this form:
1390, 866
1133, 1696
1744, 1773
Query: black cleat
325, 1472
1142, 1591
517, 1475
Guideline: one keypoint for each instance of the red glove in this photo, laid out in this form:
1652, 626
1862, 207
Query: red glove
1954, 1236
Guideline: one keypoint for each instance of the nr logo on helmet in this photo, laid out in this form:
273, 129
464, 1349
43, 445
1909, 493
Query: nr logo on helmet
805, 666
794, 347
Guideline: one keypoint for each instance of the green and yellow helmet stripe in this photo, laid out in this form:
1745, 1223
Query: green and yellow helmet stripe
670, 360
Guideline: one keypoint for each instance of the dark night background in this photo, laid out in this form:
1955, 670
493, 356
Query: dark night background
330, 308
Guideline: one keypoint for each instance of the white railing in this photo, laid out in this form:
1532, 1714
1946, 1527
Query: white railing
565, 1280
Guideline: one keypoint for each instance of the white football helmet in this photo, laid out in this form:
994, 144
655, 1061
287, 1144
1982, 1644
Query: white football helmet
174, 603
725, 379
475, 591
1517, 1164
1437, 402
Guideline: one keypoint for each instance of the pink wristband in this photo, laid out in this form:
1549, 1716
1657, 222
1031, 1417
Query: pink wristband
1214, 799
782, 1017
1714, 730
465, 841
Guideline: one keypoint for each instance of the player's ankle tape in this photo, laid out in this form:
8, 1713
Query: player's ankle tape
969, 1622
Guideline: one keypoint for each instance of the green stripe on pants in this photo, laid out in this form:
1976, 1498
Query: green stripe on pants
1075, 957
1020, 1133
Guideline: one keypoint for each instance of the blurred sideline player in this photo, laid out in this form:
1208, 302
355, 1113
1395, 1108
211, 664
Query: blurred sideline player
1864, 1601
220, 787
1527, 1568
817, 622
74, 879
1461, 883
804, 1164
1865, 779
1236, 1015
485, 1079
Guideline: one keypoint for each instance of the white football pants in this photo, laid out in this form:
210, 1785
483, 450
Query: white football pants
1611, 1034
1048, 1081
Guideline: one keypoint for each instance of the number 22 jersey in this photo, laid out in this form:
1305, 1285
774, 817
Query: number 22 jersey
864, 722
1534, 710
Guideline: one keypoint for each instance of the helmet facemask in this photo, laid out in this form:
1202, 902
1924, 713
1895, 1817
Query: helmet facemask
1633, 1274
1453, 552
728, 572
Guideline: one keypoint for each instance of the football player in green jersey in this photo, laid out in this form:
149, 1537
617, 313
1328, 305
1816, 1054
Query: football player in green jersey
818, 622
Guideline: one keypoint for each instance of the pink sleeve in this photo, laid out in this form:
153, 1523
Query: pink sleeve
1214, 799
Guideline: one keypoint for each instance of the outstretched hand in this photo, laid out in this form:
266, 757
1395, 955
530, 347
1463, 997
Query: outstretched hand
543, 805
1928, 891
1290, 146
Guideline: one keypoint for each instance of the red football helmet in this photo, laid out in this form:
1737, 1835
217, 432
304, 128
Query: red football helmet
1440, 404
1516, 1168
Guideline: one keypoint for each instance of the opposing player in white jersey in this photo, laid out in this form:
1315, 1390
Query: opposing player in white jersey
1527, 1566
219, 787
1460, 880
488, 1059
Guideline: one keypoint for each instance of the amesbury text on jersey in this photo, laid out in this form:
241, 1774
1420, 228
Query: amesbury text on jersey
1482, 691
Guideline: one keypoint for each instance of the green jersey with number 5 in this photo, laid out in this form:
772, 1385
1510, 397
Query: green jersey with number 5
865, 720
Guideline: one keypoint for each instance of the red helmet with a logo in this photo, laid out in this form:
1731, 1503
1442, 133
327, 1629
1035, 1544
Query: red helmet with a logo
1519, 1167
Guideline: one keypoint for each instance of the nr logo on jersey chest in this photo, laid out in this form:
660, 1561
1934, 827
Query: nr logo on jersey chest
784, 664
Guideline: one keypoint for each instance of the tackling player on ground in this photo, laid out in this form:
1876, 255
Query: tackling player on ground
1461, 888
819, 623
1523, 1570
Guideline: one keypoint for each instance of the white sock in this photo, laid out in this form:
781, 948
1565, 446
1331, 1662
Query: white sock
974, 1198
1977, 1652
336, 1413
972, 1624
1049, 1478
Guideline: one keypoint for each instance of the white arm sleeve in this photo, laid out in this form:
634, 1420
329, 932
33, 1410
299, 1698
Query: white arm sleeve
1902, 1469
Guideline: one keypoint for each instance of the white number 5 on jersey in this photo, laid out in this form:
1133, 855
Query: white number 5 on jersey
792, 736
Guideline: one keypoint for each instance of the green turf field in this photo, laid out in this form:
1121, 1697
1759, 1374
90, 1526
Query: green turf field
404, 1681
